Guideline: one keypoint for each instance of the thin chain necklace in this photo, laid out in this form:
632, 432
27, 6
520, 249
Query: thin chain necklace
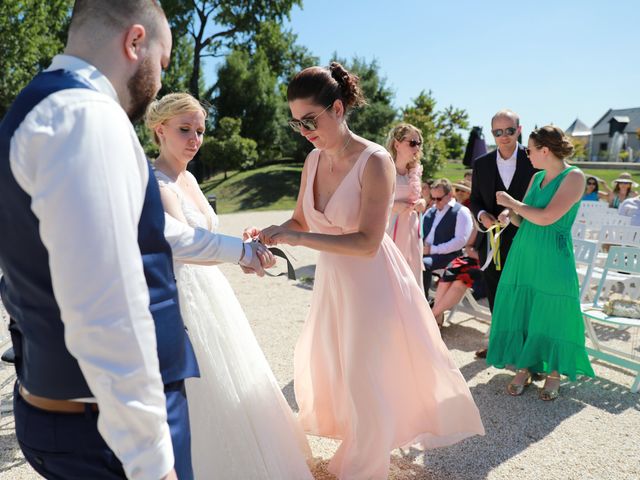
344, 147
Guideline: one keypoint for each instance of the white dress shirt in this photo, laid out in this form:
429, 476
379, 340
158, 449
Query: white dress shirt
464, 227
77, 156
506, 169
507, 166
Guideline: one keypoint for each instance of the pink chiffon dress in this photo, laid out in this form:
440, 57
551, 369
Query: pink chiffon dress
404, 228
370, 366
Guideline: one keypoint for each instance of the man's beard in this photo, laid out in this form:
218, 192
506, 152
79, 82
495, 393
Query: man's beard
141, 91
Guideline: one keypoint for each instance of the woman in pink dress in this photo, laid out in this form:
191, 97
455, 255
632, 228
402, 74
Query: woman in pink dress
405, 146
370, 366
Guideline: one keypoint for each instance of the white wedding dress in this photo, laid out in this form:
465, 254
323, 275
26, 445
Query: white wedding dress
241, 425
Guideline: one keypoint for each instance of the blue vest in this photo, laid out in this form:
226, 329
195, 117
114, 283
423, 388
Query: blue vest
44, 365
446, 229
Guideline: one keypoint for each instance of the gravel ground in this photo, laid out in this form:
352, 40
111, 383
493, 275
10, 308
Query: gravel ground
591, 432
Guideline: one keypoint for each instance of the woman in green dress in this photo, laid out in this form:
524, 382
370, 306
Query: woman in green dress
537, 325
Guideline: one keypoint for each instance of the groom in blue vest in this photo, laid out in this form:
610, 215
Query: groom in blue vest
101, 349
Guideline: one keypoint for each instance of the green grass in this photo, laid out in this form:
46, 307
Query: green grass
455, 171
275, 187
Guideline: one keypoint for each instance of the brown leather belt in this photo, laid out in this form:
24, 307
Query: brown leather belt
57, 406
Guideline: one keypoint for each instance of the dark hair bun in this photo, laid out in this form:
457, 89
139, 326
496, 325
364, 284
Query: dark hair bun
554, 139
349, 83
326, 85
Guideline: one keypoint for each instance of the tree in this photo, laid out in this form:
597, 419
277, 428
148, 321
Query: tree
439, 130
285, 57
216, 26
423, 115
31, 33
227, 149
247, 89
450, 122
372, 121
579, 149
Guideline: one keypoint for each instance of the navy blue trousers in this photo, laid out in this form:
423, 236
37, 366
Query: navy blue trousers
68, 446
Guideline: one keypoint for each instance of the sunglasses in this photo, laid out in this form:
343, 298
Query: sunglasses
437, 199
498, 132
591, 183
414, 143
310, 124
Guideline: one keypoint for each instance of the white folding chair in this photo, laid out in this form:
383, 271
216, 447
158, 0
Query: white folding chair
578, 231
587, 209
584, 252
619, 259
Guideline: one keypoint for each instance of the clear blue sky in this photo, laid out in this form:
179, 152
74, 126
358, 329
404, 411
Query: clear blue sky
550, 61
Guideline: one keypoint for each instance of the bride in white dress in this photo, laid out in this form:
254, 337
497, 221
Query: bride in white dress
241, 424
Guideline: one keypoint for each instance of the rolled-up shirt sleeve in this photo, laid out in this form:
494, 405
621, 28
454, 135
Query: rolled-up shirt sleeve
77, 156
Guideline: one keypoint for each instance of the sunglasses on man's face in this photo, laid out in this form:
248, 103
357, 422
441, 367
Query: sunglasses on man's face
498, 132
414, 143
437, 199
310, 124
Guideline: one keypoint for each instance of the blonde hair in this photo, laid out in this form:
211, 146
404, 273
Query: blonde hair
169, 106
399, 133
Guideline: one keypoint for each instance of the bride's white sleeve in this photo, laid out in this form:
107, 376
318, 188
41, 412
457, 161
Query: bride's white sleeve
193, 245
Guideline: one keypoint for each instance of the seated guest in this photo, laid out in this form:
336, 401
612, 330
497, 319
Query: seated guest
631, 208
622, 190
592, 191
462, 192
446, 228
462, 273
426, 193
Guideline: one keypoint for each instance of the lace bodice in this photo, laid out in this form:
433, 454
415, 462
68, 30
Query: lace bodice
195, 217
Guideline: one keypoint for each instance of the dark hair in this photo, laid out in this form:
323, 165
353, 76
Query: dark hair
325, 85
118, 14
596, 182
554, 139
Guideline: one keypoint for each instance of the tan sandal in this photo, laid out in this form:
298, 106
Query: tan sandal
550, 394
517, 389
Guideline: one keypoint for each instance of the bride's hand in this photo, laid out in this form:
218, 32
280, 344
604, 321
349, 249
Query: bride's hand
275, 235
250, 233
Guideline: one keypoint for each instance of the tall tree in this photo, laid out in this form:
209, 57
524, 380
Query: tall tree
246, 89
440, 130
216, 26
423, 115
451, 121
31, 33
372, 121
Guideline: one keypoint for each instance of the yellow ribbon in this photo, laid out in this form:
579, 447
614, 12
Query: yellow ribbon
494, 244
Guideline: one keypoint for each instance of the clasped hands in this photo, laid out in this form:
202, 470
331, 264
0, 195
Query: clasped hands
261, 257
273, 235
505, 200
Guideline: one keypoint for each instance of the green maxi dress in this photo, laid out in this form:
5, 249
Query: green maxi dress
536, 322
